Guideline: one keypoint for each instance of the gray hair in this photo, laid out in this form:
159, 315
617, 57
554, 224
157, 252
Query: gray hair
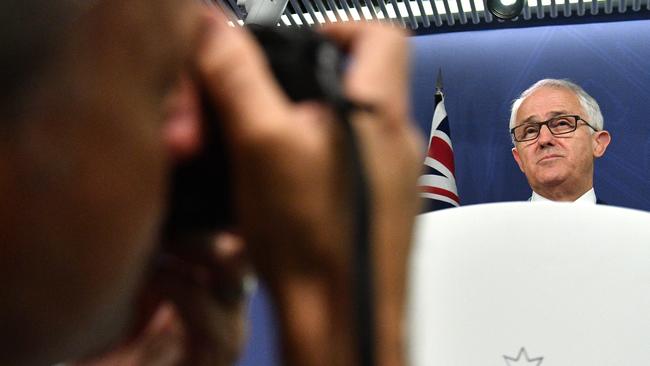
587, 102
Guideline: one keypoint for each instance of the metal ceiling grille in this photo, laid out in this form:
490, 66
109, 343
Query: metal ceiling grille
418, 14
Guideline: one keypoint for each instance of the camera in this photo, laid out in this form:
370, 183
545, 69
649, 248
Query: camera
308, 67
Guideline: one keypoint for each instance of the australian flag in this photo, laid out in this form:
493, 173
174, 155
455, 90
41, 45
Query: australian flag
438, 182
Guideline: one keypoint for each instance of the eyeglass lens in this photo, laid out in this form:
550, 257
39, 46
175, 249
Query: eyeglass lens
558, 125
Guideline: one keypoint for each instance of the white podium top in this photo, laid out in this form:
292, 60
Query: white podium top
530, 284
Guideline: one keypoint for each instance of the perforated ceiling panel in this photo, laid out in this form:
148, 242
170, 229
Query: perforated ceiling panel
430, 14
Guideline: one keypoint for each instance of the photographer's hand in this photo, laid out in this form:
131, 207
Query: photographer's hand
192, 308
292, 194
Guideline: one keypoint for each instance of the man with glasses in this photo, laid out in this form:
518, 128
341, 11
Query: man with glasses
557, 130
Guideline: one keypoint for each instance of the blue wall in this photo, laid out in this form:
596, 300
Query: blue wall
483, 72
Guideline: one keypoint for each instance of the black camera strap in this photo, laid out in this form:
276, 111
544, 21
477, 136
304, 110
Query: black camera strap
364, 287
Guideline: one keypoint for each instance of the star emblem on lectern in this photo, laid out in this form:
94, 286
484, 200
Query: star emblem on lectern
523, 359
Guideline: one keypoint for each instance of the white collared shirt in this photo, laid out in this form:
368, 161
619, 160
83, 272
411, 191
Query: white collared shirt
587, 197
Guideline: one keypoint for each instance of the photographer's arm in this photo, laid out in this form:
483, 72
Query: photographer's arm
292, 197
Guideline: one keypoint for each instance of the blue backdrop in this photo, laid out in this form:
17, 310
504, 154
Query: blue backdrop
483, 72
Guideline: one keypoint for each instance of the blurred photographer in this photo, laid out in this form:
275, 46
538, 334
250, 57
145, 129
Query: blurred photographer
94, 122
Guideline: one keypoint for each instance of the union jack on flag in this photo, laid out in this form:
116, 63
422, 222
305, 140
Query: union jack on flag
438, 182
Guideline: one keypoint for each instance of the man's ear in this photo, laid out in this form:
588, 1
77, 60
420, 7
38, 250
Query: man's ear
515, 154
600, 141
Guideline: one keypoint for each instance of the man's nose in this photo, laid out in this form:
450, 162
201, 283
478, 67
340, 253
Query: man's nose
545, 136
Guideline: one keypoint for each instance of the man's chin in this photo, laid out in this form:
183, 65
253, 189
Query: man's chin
549, 180
113, 329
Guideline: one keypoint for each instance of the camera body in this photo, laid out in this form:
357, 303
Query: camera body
308, 67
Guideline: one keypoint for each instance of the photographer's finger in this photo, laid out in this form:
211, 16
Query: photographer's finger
182, 132
216, 332
238, 78
378, 74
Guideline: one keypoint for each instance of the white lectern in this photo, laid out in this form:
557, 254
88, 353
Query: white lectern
530, 284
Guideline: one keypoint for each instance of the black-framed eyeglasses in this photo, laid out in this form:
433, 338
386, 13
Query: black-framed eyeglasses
558, 125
